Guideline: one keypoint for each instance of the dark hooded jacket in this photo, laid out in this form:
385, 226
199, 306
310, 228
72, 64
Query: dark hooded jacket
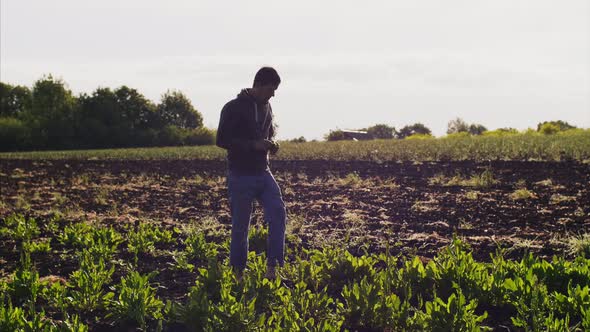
242, 122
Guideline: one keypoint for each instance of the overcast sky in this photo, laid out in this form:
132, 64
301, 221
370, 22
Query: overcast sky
344, 64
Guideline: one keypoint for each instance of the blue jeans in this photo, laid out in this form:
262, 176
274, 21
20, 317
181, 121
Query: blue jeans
243, 190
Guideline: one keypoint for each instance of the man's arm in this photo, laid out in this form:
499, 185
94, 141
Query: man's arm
271, 134
227, 129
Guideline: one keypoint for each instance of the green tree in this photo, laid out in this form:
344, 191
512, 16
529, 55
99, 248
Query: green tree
51, 118
416, 128
100, 118
137, 112
48, 116
299, 139
176, 109
457, 126
561, 125
14, 100
508, 130
476, 129
118, 118
140, 123
382, 131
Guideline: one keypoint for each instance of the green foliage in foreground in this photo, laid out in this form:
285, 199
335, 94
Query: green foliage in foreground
320, 290
566, 145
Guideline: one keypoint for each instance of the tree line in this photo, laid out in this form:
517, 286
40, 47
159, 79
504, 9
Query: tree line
454, 127
382, 131
48, 116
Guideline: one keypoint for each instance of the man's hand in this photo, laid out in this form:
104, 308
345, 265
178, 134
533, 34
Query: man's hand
274, 148
263, 145
266, 145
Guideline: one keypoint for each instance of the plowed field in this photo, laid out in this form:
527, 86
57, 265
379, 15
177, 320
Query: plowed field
415, 207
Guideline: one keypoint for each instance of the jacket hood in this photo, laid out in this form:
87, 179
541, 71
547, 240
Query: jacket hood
245, 94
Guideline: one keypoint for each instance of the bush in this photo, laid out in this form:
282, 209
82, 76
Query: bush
549, 129
335, 135
300, 139
501, 132
458, 134
561, 125
170, 136
14, 134
147, 137
573, 132
419, 136
200, 136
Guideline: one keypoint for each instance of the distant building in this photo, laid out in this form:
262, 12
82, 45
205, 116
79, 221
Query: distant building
355, 135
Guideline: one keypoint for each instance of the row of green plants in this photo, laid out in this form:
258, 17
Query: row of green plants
567, 145
327, 289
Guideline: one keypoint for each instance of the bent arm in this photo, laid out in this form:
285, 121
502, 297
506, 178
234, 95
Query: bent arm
226, 131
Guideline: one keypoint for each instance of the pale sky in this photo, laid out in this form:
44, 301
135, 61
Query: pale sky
344, 64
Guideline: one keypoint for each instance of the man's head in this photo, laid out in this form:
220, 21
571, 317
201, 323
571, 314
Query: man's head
266, 81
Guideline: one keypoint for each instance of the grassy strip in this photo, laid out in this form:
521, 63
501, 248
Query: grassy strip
574, 145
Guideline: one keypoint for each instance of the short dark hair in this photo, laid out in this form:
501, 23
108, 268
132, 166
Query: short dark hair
265, 76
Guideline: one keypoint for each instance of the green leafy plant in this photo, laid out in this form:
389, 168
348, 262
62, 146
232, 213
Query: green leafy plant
102, 243
370, 306
455, 267
411, 280
42, 246
198, 248
456, 314
20, 228
530, 298
136, 301
307, 310
73, 324
55, 293
144, 238
11, 318
234, 313
181, 261
16, 319
88, 282
586, 318
25, 286
257, 239
75, 234
255, 286
340, 267
194, 314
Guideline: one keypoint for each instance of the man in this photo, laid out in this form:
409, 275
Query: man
246, 130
